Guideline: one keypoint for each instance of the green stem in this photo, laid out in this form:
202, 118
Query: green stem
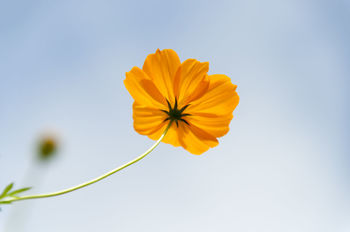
96, 179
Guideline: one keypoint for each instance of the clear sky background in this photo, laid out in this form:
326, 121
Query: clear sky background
284, 165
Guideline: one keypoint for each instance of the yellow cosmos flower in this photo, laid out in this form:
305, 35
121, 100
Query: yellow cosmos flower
199, 105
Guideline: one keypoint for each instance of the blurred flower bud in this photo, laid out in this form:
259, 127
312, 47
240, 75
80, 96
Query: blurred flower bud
47, 147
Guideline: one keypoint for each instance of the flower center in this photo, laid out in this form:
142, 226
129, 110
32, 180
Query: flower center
175, 114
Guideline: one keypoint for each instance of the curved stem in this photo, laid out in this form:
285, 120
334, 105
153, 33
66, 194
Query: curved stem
98, 178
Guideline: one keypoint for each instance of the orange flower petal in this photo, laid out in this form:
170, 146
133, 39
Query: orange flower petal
161, 68
221, 98
215, 125
190, 80
142, 89
147, 120
170, 138
195, 140
212, 112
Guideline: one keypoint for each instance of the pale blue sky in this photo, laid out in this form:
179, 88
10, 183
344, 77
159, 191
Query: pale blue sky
284, 165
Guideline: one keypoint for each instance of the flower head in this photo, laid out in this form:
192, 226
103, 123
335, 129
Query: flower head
198, 105
47, 147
